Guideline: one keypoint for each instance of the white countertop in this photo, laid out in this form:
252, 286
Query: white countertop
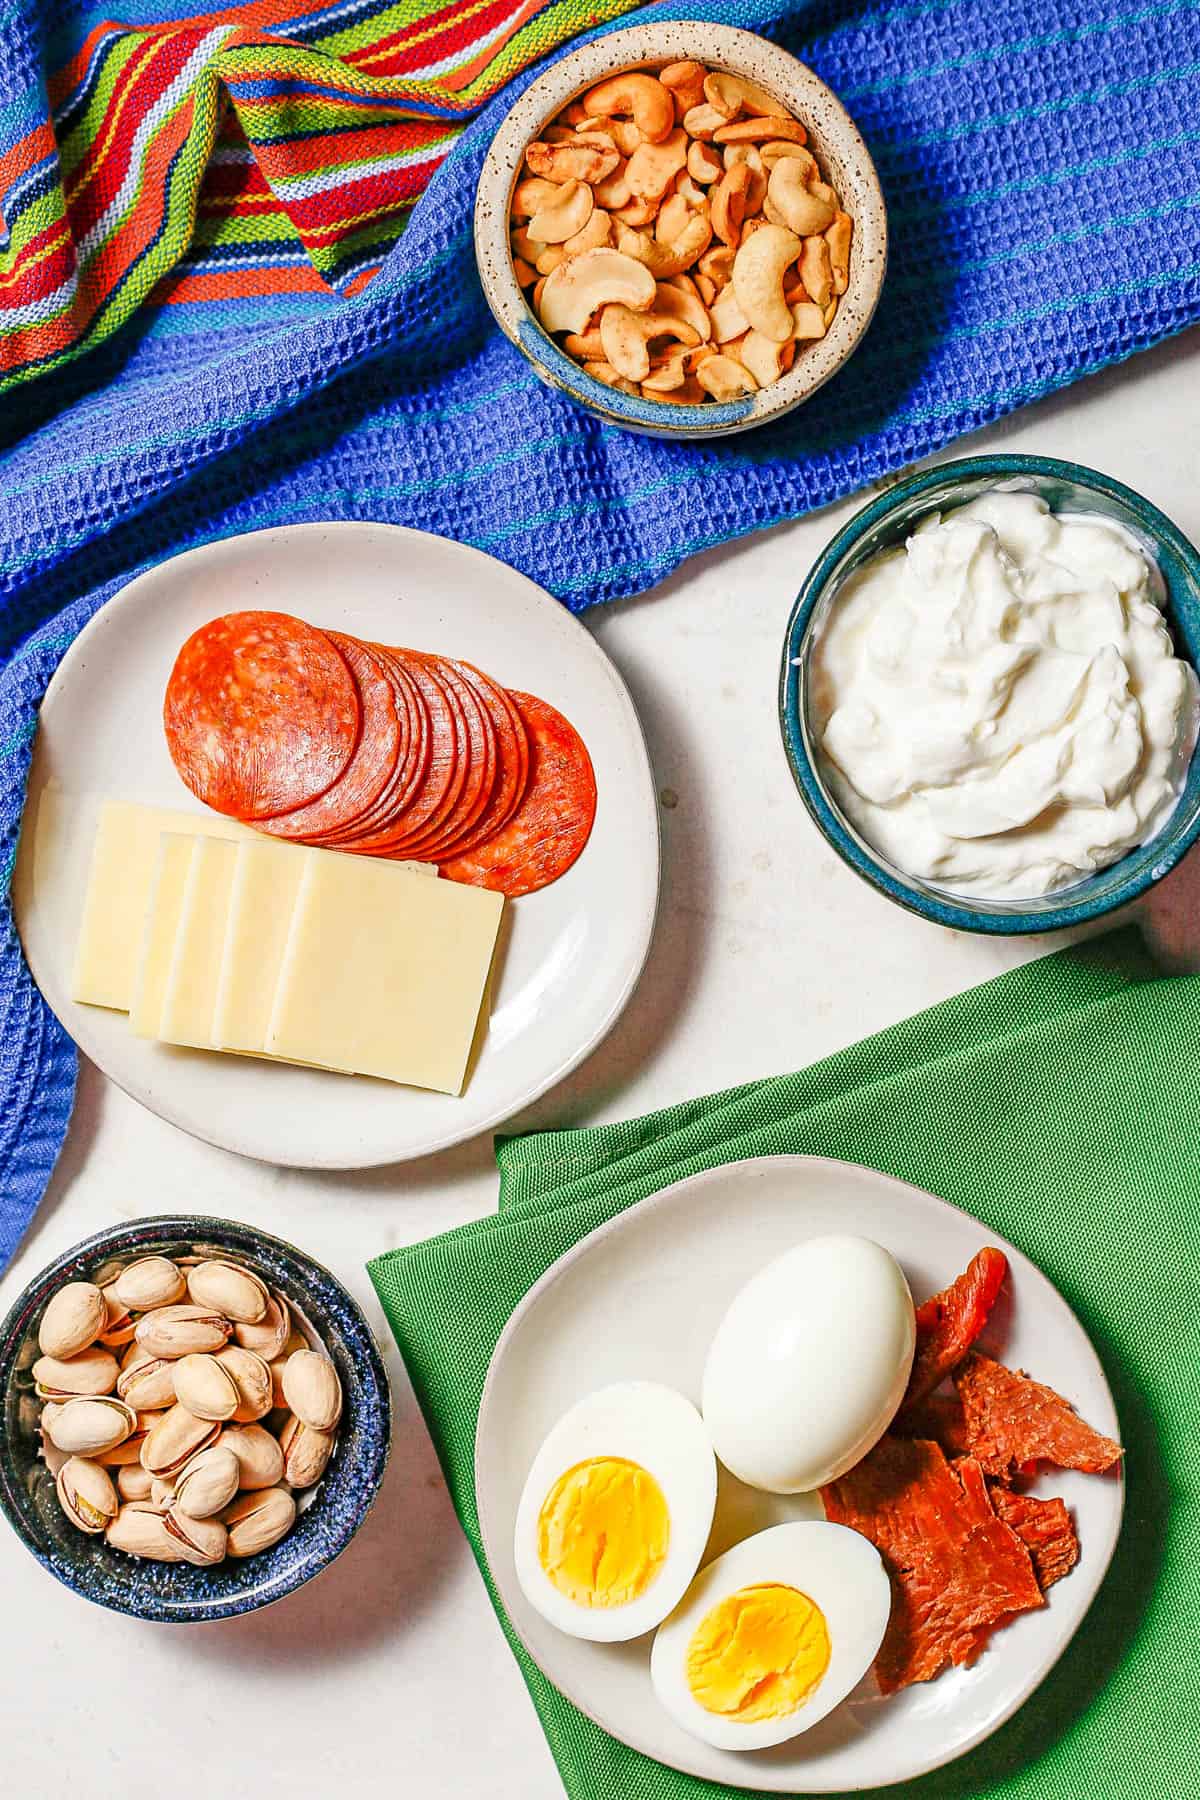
389, 1673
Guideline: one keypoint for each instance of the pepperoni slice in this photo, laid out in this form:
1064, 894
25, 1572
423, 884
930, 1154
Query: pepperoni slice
411, 766
445, 772
261, 714
554, 820
512, 759
369, 770
479, 764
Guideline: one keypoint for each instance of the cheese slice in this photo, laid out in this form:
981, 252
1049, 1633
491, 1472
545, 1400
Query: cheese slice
190, 995
384, 971
123, 868
266, 880
168, 884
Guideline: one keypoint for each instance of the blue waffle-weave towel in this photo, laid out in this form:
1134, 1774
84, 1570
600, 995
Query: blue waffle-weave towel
1042, 172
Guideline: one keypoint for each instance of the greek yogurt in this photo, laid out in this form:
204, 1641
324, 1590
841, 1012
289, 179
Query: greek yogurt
998, 703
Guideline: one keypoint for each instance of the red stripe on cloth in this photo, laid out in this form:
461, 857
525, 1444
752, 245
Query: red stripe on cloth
179, 288
394, 54
330, 213
98, 177
30, 281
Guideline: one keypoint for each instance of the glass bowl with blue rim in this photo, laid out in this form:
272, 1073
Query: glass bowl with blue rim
328, 1514
885, 523
834, 139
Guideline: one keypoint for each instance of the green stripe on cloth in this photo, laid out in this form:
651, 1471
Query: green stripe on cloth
1061, 1105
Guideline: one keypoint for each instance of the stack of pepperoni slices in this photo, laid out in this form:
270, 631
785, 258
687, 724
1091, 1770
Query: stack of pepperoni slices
322, 739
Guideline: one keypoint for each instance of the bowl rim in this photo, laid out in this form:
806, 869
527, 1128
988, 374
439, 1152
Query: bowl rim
943, 907
649, 44
237, 1236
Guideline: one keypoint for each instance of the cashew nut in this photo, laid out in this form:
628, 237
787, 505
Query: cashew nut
791, 202
602, 371
838, 238
758, 131
586, 345
666, 260
524, 274
764, 358
706, 289
549, 258
668, 375
685, 80
634, 95
563, 217
808, 321
702, 121
653, 167
672, 218
613, 191
531, 194
729, 203
728, 319
716, 265
594, 235
581, 284
816, 271
696, 197
778, 148
732, 94
748, 154
704, 165
636, 212
758, 271
523, 245
626, 336
677, 301
725, 379
571, 162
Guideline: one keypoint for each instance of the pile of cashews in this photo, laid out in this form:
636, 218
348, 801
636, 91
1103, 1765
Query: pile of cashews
677, 236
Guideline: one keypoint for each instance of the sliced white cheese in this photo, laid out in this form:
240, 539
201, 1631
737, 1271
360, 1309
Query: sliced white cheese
190, 995
266, 881
384, 971
124, 860
168, 884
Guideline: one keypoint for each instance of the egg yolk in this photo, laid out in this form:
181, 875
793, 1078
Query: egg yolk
603, 1532
758, 1654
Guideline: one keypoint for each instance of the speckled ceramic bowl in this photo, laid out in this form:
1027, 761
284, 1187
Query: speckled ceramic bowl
1066, 487
330, 1514
834, 140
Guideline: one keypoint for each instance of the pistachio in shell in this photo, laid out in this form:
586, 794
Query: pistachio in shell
86, 1494
229, 1289
251, 1377
73, 1320
201, 1541
129, 1450
312, 1389
208, 1482
151, 1281
92, 1371
175, 1331
268, 1336
206, 1388
119, 1322
134, 1482
257, 1520
147, 1382
260, 1459
91, 1425
174, 1439
139, 1529
306, 1451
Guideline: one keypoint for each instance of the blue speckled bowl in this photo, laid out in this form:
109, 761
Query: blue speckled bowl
178, 1592
1066, 487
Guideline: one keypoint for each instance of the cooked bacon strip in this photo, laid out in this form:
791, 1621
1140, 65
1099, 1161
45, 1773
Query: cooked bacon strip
1013, 1422
957, 1570
1045, 1527
949, 1323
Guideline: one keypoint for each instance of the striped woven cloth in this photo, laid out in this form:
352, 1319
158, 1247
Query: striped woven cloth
266, 149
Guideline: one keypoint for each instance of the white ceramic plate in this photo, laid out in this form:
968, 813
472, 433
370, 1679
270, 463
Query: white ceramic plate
641, 1297
569, 956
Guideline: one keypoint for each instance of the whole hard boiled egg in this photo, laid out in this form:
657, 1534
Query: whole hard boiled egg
809, 1364
773, 1635
616, 1511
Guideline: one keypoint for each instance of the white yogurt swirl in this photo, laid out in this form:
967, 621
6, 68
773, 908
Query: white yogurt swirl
999, 701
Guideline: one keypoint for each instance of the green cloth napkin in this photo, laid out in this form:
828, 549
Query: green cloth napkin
1060, 1104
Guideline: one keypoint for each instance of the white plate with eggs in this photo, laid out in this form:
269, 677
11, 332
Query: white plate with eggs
639, 1302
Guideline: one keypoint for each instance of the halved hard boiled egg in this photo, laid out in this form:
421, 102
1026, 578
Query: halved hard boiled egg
773, 1635
616, 1511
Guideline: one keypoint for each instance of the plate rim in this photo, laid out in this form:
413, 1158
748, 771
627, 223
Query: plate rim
652, 1202
437, 1142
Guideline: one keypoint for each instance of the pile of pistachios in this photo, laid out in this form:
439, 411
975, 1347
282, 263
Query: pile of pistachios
192, 1446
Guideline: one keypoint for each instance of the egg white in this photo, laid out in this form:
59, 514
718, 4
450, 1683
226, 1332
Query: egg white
645, 1423
809, 1364
837, 1568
